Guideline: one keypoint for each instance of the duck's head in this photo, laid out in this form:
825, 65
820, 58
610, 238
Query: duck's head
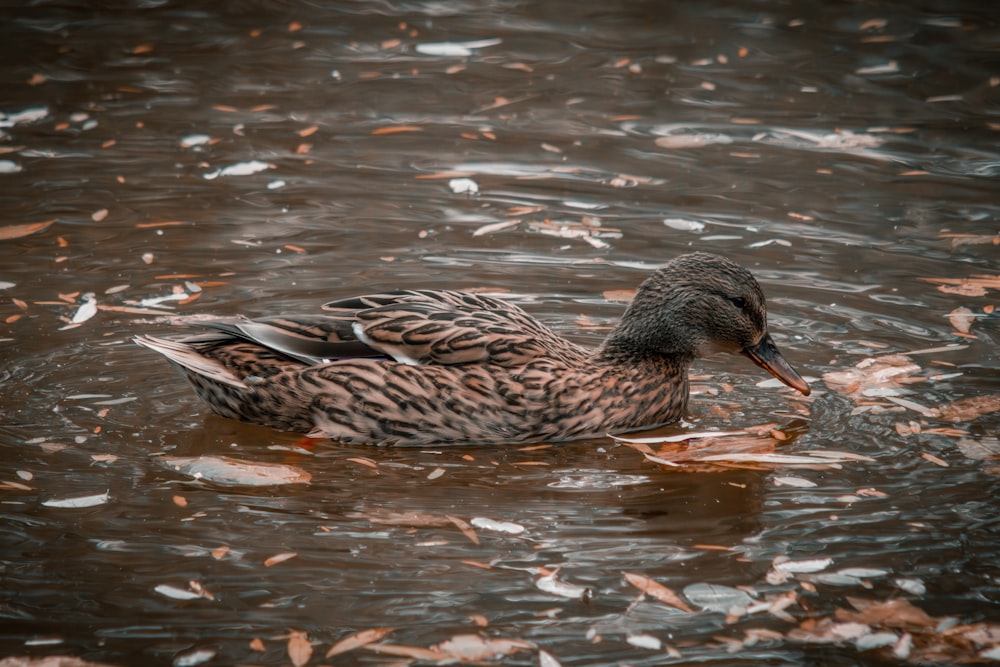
699, 304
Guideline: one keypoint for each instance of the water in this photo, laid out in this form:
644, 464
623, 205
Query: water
845, 153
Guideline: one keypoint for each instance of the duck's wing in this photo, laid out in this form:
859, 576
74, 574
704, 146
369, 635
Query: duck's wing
445, 327
311, 339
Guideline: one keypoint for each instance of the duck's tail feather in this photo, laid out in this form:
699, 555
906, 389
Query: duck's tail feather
189, 359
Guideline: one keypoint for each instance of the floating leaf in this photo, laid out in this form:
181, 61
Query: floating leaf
466, 529
230, 471
465, 186
299, 648
551, 584
658, 591
713, 597
238, 169
17, 231
967, 409
194, 658
473, 648
803, 566
357, 640
80, 501
279, 558
175, 593
962, 319
498, 526
645, 641
455, 49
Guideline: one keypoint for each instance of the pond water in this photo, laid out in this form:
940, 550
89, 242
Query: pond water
266, 157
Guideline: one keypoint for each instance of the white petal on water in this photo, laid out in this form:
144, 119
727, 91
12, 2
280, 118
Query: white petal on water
192, 140
645, 641
175, 593
550, 584
455, 48
238, 169
6, 285
712, 597
804, 566
836, 579
23, 116
798, 482
890, 67
684, 225
79, 501
497, 526
275, 185
86, 310
864, 572
911, 586
9, 167
464, 186
157, 300
193, 658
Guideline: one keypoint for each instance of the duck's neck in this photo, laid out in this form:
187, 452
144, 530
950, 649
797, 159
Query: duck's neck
626, 346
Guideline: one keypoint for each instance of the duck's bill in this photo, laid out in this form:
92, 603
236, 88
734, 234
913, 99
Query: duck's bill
765, 354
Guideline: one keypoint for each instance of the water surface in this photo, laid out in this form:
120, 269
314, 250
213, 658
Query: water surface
267, 159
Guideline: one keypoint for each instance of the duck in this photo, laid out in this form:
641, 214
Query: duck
423, 367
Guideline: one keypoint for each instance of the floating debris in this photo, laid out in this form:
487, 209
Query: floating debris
464, 186
79, 501
229, 471
455, 49
239, 169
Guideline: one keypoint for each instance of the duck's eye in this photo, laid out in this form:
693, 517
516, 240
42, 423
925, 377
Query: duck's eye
738, 301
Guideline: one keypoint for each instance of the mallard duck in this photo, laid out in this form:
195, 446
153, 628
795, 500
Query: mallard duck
417, 367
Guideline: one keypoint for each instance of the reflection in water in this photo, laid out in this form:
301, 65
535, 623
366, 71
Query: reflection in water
220, 162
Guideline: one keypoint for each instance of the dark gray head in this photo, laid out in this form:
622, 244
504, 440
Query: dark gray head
696, 305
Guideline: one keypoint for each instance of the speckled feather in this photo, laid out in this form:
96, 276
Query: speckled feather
433, 366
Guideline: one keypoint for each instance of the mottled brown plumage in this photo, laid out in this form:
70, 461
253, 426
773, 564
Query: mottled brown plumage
428, 366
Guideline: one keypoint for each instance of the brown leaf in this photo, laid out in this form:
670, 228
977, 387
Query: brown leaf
279, 558
972, 286
357, 640
967, 409
396, 129
415, 652
473, 648
466, 529
17, 231
227, 470
893, 614
299, 648
962, 319
658, 591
